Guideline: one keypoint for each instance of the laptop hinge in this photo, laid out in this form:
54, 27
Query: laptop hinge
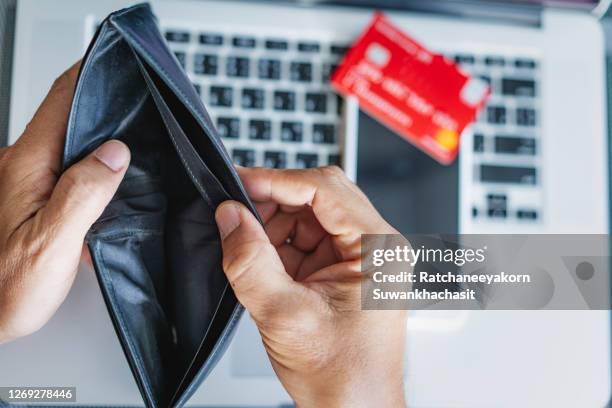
502, 12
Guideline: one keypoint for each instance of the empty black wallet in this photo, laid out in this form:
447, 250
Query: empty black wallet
156, 248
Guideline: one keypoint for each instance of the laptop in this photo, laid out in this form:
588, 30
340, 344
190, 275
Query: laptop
535, 161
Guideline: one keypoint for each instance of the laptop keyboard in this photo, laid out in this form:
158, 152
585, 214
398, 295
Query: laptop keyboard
273, 106
506, 149
271, 101
269, 97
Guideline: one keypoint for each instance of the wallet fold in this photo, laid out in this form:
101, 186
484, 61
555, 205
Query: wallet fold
156, 248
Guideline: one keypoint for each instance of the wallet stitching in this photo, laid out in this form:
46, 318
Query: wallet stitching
109, 236
121, 321
212, 352
210, 362
193, 177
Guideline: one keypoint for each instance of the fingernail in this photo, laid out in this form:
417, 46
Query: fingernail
228, 218
114, 154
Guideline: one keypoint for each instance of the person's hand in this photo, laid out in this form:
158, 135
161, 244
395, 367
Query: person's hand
299, 278
44, 216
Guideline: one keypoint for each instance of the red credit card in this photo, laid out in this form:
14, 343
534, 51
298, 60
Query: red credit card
417, 93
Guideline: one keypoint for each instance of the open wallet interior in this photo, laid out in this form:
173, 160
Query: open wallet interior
156, 248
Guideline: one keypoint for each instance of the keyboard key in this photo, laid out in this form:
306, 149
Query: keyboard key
515, 145
306, 160
253, 98
478, 142
244, 157
284, 100
495, 61
525, 117
507, 174
518, 87
525, 63
338, 49
308, 47
323, 133
280, 45
300, 71
181, 57
465, 59
260, 129
496, 115
269, 69
221, 96
496, 203
206, 64
177, 36
316, 102
228, 127
527, 214
327, 71
291, 131
333, 160
243, 42
275, 160
492, 213
211, 39
237, 67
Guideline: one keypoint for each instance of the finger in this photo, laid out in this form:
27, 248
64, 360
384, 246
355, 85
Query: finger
44, 136
280, 227
291, 258
347, 271
345, 291
86, 256
308, 231
251, 263
266, 210
340, 207
322, 257
303, 229
83, 192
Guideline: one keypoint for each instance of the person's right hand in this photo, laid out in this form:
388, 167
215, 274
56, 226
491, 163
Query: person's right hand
300, 281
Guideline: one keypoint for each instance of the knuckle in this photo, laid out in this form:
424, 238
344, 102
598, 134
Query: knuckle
5, 154
242, 259
65, 80
78, 185
331, 172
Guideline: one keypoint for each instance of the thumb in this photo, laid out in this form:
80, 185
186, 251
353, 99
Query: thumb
84, 190
251, 263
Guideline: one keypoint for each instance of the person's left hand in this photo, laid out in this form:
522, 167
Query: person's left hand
44, 216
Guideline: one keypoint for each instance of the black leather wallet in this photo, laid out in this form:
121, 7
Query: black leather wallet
156, 249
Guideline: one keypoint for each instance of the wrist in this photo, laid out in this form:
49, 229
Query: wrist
335, 392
